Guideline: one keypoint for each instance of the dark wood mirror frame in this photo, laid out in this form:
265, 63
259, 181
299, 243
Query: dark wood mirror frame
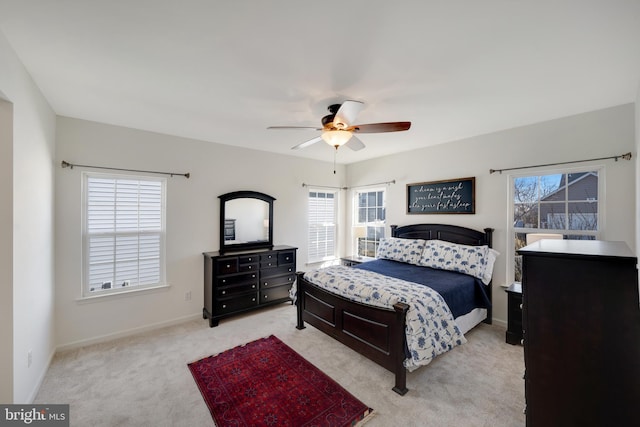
261, 244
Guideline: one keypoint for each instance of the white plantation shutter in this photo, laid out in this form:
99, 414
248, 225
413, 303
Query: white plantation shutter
124, 234
322, 225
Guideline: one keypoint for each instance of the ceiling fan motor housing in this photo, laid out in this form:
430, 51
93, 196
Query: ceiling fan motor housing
328, 119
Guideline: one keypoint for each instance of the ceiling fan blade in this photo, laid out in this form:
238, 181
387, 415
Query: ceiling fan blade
307, 143
294, 127
347, 113
381, 127
355, 144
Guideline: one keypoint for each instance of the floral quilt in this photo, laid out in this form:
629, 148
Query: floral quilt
430, 327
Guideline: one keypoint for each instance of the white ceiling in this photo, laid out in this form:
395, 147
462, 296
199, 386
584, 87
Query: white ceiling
223, 71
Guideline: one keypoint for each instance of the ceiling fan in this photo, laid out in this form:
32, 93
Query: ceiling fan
338, 127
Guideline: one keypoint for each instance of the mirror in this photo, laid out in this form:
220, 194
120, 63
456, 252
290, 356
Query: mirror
246, 221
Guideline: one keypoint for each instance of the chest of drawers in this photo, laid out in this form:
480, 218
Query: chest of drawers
242, 281
581, 323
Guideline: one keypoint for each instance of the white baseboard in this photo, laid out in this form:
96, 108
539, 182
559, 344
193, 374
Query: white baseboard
126, 333
499, 322
34, 392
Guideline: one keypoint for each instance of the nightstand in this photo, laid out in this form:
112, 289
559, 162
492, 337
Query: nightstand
514, 307
350, 261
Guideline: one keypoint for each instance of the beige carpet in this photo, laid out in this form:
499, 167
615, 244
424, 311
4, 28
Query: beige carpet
144, 380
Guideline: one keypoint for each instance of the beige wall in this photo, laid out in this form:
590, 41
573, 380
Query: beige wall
192, 218
193, 205
28, 194
6, 250
592, 135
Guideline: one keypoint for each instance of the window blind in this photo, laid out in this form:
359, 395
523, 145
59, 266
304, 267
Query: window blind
124, 233
322, 226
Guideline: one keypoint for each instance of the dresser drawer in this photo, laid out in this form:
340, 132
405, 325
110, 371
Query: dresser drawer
231, 291
268, 264
285, 258
270, 257
227, 265
270, 282
274, 294
248, 267
249, 259
277, 271
236, 279
230, 305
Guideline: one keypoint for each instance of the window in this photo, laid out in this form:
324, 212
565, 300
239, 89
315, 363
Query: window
124, 233
323, 211
368, 222
560, 205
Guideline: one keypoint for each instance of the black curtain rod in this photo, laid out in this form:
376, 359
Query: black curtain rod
66, 164
393, 181
626, 156
347, 188
324, 186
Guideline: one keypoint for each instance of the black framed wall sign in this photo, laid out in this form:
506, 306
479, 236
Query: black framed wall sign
455, 196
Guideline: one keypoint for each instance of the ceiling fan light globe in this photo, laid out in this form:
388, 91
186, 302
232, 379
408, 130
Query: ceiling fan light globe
336, 138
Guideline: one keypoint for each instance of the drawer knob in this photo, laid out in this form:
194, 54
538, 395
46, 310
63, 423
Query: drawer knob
522, 341
224, 292
250, 267
266, 296
253, 286
228, 265
289, 278
224, 280
266, 283
520, 306
224, 305
253, 300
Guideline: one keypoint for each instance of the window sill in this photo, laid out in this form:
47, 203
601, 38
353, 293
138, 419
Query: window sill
122, 294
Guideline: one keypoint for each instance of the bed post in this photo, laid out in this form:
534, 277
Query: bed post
398, 344
489, 241
489, 236
299, 299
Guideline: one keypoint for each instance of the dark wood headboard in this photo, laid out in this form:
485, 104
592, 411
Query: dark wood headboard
449, 233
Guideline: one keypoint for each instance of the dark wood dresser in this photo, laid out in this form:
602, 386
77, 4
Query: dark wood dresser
581, 320
236, 282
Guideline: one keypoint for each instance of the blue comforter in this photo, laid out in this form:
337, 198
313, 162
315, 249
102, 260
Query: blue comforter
461, 292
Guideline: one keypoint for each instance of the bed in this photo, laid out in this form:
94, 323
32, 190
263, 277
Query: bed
381, 333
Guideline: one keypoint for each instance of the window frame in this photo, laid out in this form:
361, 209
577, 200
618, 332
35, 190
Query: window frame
356, 225
85, 292
512, 229
336, 199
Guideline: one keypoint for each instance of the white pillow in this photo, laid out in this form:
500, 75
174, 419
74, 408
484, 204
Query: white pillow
471, 260
404, 250
488, 269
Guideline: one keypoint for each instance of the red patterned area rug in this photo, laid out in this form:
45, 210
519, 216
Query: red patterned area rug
266, 383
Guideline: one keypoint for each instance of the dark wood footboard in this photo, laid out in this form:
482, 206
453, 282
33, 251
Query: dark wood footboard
375, 332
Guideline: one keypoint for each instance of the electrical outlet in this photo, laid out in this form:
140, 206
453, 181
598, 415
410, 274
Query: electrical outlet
29, 358
187, 296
